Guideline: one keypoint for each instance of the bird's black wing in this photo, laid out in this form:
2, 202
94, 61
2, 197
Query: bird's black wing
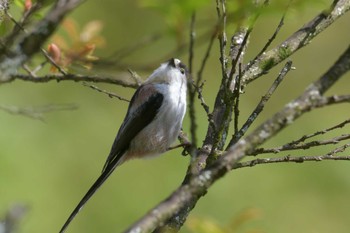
133, 123
139, 119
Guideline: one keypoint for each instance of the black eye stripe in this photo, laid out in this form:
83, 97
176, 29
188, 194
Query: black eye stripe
171, 62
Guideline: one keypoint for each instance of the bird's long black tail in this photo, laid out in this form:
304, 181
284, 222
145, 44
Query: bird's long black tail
101, 179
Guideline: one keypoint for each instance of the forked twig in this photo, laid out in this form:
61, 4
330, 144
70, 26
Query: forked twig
300, 142
258, 109
297, 159
302, 146
110, 94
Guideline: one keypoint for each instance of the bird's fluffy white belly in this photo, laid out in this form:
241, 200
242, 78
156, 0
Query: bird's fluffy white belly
159, 135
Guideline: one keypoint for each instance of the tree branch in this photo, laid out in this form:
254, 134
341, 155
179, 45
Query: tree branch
73, 77
202, 172
32, 42
299, 39
182, 200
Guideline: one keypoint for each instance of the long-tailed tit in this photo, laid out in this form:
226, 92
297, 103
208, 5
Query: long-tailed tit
152, 123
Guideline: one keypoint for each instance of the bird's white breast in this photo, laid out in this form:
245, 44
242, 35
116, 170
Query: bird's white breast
164, 129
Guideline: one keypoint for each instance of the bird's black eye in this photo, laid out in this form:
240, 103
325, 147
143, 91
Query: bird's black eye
182, 70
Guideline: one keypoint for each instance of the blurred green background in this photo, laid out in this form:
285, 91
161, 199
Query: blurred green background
48, 166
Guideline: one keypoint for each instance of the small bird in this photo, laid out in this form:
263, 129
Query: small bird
152, 123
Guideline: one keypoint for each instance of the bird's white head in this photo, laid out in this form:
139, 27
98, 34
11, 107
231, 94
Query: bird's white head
171, 71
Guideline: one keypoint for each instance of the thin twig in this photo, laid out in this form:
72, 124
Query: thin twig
192, 42
222, 36
201, 98
190, 87
335, 99
297, 159
19, 26
30, 72
302, 139
287, 67
303, 146
40, 66
110, 94
185, 142
38, 111
49, 58
178, 146
221, 12
72, 77
136, 77
206, 108
271, 39
236, 95
206, 55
